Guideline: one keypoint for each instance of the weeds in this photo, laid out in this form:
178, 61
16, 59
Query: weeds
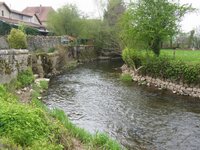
126, 78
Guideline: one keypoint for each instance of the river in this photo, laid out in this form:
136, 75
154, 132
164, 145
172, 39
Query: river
138, 117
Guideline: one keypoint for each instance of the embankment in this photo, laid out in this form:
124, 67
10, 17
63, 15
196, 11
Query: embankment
180, 89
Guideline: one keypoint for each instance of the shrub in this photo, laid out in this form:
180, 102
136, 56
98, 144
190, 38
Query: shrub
17, 39
25, 77
163, 67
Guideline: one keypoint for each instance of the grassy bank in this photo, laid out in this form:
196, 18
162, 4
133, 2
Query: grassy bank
33, 126
188, 56
184, 69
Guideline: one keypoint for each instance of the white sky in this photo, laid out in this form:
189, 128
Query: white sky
90, 8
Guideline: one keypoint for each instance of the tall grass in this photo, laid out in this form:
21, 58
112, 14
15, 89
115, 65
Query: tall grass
97, 141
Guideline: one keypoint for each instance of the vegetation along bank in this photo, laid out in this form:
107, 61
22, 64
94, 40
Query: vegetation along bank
26, 123
178, 74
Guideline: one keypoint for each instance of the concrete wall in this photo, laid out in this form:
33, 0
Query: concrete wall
11, 62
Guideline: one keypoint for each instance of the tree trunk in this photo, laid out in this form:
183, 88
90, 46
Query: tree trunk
156, 46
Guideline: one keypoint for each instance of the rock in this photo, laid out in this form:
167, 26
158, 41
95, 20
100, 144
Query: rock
25, 89
39, 98
19, 92
36, 76
186, 92
142, 79
174, 92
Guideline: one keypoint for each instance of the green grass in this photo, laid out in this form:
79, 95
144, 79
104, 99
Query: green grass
35, 127
98, 141
126, 78
188, 56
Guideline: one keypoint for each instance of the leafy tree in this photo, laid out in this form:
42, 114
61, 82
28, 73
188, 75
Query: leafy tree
109, 32
147, 23
65, 20
115, 9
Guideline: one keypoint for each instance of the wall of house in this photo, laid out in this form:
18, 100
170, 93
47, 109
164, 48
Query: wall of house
5, 10
11, 62
27, 18
35, 20
16, 16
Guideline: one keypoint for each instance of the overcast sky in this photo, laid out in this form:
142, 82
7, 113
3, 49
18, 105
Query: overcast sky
90, 8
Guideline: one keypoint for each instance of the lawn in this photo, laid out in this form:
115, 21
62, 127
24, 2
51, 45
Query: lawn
189, 56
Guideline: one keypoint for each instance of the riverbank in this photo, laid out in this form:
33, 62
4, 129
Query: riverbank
160, 84
26, 123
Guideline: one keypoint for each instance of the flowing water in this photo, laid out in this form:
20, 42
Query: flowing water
94, 98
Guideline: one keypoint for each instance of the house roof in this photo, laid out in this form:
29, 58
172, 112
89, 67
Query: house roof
42, 12
14, 11
17, 12
2, 3
17, 22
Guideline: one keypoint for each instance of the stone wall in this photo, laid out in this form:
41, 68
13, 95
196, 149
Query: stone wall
11, 62
3, 43
35, 42
43, 42
180, 89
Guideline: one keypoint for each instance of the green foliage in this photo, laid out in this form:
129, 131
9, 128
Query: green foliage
98, 141
29, 126
4, 28
44, 85
51, 50
164, 67
28, 30
126, 78
17, 39
23, 124
147, 23
65, 21
25, 77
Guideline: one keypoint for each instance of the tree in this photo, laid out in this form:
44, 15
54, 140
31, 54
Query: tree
115, 9
147, 23
65, 20
109, 32
191, 39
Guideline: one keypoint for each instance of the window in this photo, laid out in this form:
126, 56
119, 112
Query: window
2, 13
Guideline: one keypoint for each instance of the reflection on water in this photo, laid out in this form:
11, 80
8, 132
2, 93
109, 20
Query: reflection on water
138, 117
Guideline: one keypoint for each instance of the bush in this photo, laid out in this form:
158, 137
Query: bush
29, 126
163, 67
26, 77
17, 39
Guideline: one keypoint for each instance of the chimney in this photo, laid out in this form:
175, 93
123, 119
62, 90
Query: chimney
40, 9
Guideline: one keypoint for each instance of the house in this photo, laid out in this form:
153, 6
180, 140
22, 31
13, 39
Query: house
41, 11
16, 18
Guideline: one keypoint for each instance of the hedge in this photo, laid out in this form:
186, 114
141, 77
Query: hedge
162, 67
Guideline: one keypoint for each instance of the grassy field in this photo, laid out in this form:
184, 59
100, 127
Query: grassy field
188, 56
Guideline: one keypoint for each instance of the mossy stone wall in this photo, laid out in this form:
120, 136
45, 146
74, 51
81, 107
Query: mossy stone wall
11, 62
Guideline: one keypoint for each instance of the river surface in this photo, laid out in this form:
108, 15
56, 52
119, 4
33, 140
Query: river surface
94, 98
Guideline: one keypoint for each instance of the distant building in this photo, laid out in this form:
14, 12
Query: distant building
41, 11
16, 18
